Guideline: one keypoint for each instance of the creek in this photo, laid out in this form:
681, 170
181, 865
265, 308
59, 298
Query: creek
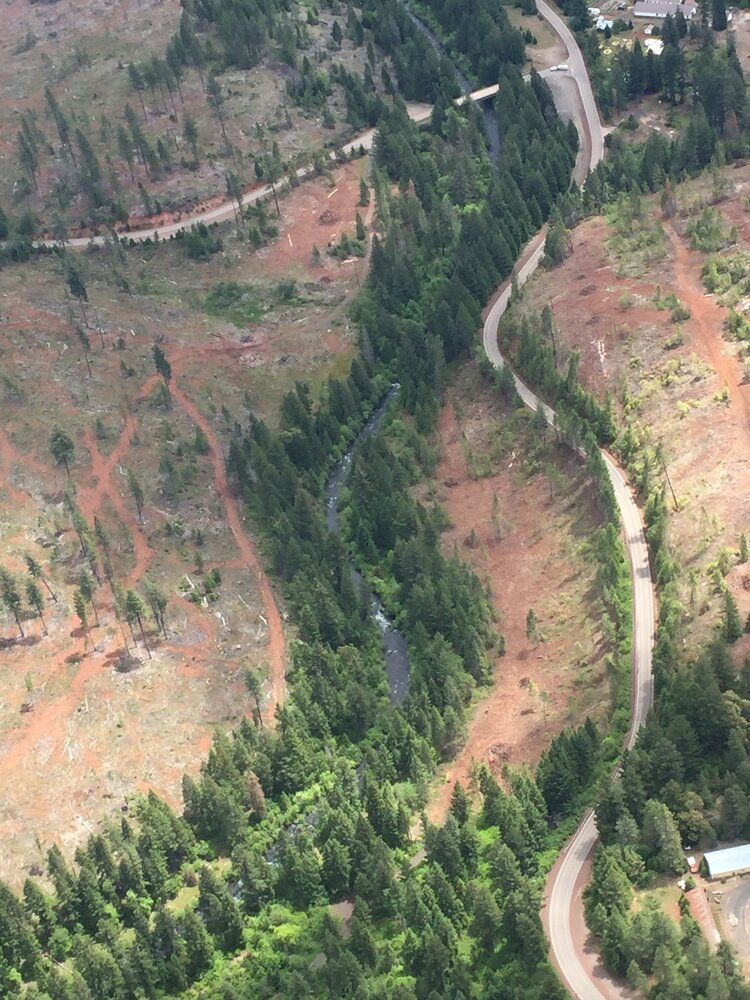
491, 126
397, 664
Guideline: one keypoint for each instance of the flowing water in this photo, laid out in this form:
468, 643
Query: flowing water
491, 126
397, 665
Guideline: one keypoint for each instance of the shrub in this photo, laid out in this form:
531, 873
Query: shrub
680, 313
707, 232
676, 339
200, 244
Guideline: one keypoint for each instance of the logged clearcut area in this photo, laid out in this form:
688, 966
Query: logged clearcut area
374, 606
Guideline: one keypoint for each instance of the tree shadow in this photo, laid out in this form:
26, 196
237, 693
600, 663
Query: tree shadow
28, 640
123, 661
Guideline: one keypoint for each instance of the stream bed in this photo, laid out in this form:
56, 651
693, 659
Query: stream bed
397, 664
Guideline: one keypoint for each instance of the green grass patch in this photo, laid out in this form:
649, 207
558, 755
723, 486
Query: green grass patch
707, 233
185, 899
728, 276
236, 301
638, 241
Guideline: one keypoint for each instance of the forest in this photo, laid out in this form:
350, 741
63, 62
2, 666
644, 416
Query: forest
293, 825
317, 809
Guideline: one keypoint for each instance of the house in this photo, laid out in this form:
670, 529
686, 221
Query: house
648, 30
658, 9
602, 23
729, 861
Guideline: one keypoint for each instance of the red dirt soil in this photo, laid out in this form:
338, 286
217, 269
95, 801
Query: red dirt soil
46, 726
534, 690
706, 442
706, 326
95, 732
301, 228
276, 640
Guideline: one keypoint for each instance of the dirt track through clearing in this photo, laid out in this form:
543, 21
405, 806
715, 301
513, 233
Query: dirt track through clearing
707, 322
47, 718
276, 641
101, 470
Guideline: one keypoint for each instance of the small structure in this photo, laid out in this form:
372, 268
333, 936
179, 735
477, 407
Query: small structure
692, 864
648, 30
729, 861
594, 11
654, 45
658, 9
602, 23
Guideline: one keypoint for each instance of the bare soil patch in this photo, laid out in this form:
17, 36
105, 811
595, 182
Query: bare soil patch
80, 729
82, 51
549, 49
531, 531
682, 384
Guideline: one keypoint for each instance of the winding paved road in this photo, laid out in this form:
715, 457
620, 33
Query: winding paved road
564, 909
226, 210
564, 888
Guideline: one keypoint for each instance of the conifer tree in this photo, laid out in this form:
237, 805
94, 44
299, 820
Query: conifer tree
62, 448
163, 366
61, 122
34, 597
125, 148
732, 621
135, 611
86, 587
77, 286
11, 596
157, 601
215, 99
90, 171
136, 82
35, 572
79, 602
190, 132
136, 491
85, 344
253, 685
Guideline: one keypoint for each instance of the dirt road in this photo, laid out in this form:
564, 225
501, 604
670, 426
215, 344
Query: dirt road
276, 641
707, 324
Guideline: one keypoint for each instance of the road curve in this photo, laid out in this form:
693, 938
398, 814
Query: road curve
578, 71
226, 210
564, 887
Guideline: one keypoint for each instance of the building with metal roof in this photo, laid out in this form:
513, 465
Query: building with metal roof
729, 861
659, 9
